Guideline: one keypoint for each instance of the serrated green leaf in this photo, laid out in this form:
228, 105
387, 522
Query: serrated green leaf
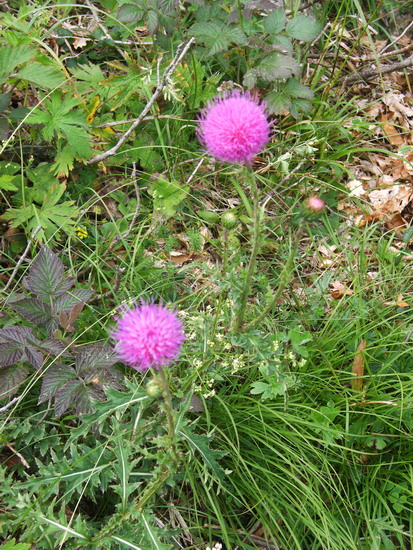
88, 73
294, 88
276, 65
152, 21
129, 13
167, 196
45, 76
12, 56
303, 28
277, 103
12, 545
6, 183
46, 273
4, 101
274, 23
299, 106
250, 79
217, 36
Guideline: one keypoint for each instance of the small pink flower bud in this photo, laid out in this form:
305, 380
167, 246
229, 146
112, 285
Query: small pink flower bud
315, 205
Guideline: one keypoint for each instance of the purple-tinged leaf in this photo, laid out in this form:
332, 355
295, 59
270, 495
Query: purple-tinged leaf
10, 379
16, 334
53, 346
34, 357
94, 356
105, 377
67, 319
67, 301
34, 310
65, 397
51, 326
65, 285
54, 380
45, 275
10, 353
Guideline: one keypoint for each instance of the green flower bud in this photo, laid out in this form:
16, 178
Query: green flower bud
229, 220
153, 389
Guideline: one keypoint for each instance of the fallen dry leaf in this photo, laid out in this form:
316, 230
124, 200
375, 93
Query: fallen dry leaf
398, 303
338, 290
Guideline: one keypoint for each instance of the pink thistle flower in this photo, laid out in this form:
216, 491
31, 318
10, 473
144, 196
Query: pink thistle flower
315, 205
234, 128
149, 335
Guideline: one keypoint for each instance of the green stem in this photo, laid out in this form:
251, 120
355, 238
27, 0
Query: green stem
282, 283
254, 252
163, 382
225, 253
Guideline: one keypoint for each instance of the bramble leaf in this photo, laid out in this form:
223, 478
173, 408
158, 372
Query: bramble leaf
95, 357
276, 66
55, 377
303, 28
34, 310
65, 302
274, 23
10, 379
45, 274
217, 36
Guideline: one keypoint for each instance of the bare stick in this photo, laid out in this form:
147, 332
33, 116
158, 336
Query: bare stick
102, 27
150, 117
22, 258
9, 404
396, 39
370, 73
180, 54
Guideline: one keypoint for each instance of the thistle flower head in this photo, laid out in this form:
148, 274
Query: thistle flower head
148, 335
234, 128
315, 205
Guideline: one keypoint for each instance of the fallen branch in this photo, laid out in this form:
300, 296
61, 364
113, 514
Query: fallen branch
370, 73
9, 404
180, 54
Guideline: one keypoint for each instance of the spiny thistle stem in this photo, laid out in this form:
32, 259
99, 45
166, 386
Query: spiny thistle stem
239, 321
166, 393
283, 281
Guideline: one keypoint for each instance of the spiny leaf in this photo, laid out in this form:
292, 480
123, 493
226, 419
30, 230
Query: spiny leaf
200, 443
45, 274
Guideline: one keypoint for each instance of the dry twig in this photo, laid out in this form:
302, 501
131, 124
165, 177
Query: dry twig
180, 54
367, 74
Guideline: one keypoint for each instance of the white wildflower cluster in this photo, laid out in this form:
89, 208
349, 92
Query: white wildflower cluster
206, 389
217, 546
238, 363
